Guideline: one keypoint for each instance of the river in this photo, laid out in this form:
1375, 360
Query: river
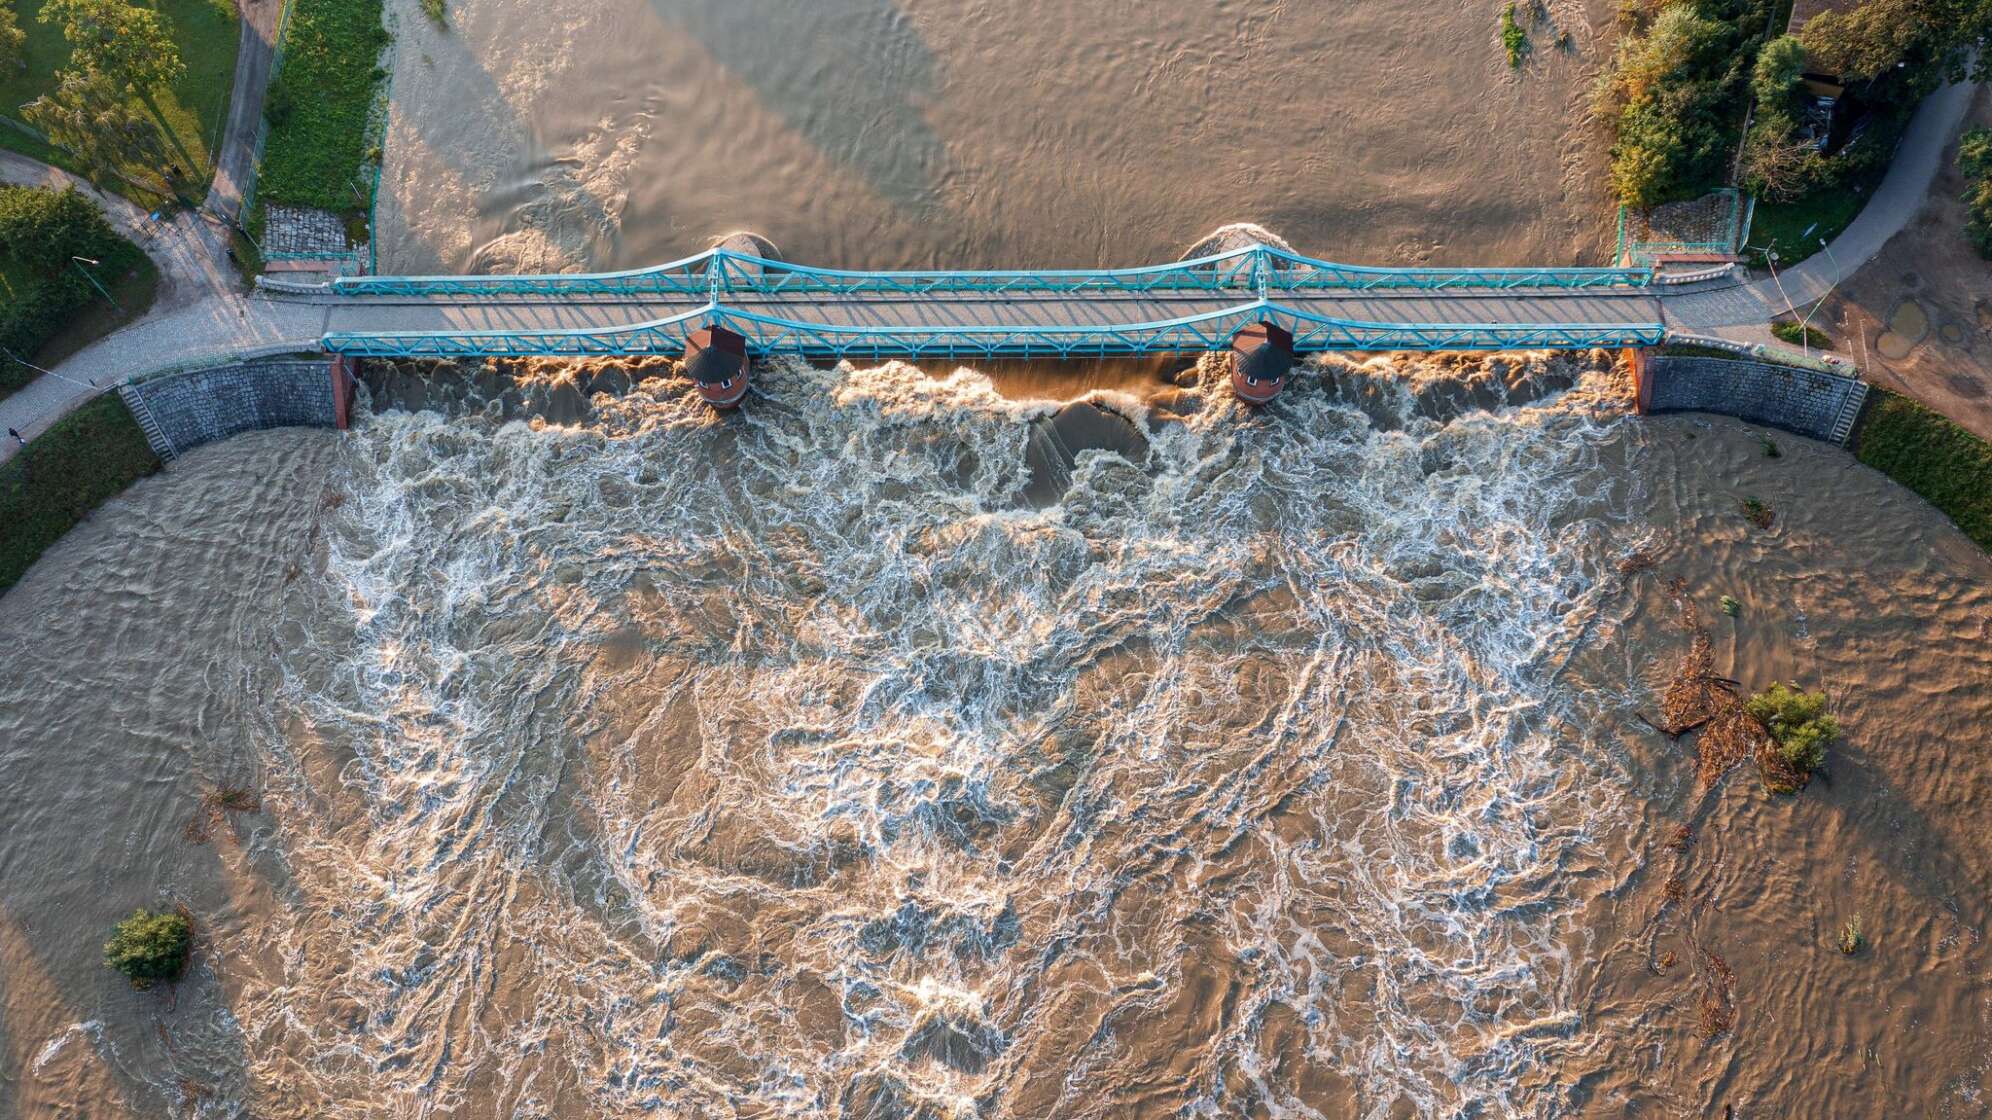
1006, 743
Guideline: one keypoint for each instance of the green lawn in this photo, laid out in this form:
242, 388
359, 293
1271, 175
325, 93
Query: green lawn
193, 110
1932, 456
319, 105
89, 456
1796, 228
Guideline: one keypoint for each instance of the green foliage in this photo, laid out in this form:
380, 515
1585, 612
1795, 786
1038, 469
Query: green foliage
325, 95
91, 115
1757, 513
1779, 65
1513, 38
188, 113
148, 946
1974, 158
12, 40
1731, 606
437, 11
1799, 723
88, 457
128, 45
1675, 96
1802, 334
40, 231
1852, 940
1948, 466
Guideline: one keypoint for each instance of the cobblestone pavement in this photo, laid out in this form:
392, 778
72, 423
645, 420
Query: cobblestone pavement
297, 229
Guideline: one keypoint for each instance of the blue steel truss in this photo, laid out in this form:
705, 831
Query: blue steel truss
1256, 270
1210, 330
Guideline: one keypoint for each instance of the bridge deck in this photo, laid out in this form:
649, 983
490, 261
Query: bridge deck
969, 322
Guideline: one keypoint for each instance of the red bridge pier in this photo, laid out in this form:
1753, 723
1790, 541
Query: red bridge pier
1261, 358
716, 358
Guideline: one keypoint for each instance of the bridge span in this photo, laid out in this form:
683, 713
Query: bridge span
779, 308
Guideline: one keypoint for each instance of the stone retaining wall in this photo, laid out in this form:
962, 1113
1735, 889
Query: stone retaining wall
1812, 403
182, 411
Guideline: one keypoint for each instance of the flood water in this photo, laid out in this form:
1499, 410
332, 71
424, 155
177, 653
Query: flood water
802, 763
933, 744
549, 135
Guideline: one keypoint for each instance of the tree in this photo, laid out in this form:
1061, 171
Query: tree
1777, 166
148, 946
127, 44
89, 114
12, 40
1974, 158
1779, 66
1798, 723
1869, 40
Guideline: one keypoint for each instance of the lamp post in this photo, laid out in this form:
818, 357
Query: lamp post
79, 262
1804, 338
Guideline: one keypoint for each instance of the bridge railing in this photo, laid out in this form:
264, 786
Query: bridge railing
1209, 330
1255, 269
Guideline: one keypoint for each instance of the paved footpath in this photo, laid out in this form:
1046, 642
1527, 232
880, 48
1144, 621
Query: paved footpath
235, 168
1896, 201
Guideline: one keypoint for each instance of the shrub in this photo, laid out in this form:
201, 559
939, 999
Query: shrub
1513, 38
148, 947
1851, 938
1730, 606
1802, 334
40, 230
437, 12
1798, 722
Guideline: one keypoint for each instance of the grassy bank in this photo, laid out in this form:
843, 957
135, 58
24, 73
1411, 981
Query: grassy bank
191, 112
89, 456
1947, 465
49, 306
319, 105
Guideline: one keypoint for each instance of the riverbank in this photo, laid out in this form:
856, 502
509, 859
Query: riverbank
89, 457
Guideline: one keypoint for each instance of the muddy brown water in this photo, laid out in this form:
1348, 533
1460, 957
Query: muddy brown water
555, 135
790, 764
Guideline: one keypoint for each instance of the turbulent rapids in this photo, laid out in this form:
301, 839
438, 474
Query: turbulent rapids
894, 748
793, 763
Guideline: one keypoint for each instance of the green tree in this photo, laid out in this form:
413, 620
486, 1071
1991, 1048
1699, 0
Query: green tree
1974, 158
128, 44
12, 39
90, 115
1798, 722
1779, 66
147, 947
1868, 41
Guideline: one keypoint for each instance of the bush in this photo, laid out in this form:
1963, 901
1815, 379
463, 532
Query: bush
149, 947
1798, 722
1802, 334
1779, 66
1513, 38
